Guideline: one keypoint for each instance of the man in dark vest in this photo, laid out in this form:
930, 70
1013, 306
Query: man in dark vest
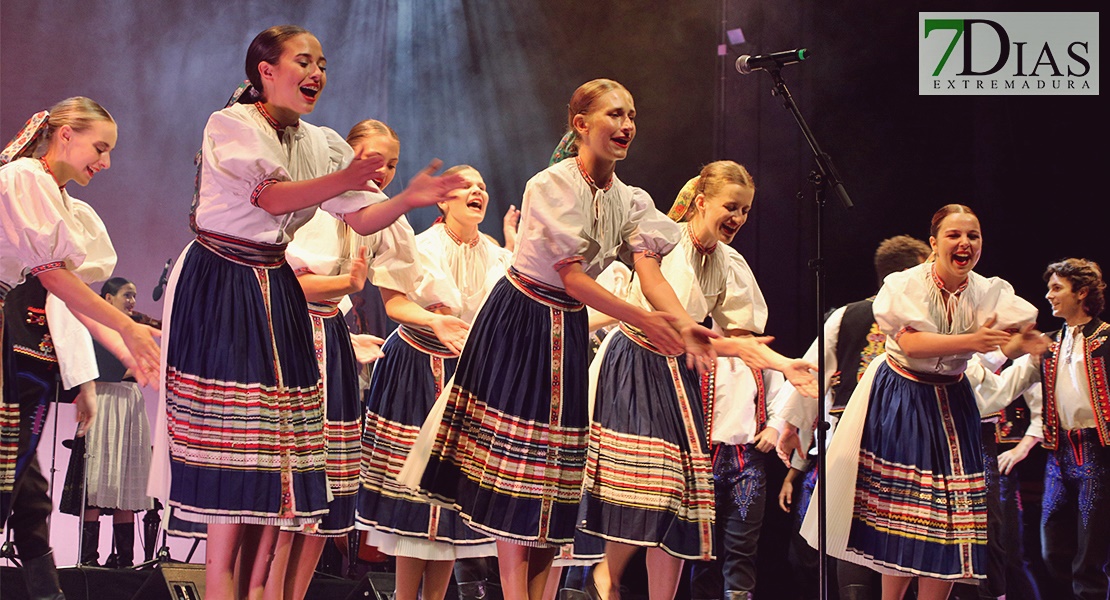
1075, 523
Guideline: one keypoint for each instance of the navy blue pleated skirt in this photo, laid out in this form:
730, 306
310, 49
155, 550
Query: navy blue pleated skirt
920, 503
243, 393
649, 475
342, 417
405, 385
511, 446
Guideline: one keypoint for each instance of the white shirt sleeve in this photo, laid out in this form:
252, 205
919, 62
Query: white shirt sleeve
995, 392
798, 410
73, 344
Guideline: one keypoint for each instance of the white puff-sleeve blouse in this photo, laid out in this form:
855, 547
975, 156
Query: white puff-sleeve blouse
242, 153
564, 220
42, 228
911, 300
325, 246
713, 282
457, 275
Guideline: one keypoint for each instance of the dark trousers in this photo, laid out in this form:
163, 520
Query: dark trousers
1008, 572
29, 506
1075, 522
741, 490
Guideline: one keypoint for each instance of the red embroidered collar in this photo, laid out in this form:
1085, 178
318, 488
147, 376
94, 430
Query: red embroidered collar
940, 283
458, 240
590, 180
269, 119
49, 171
702, 249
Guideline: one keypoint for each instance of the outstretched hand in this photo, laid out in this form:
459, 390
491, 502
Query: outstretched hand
426, 188
144, 356
368, 348
359, 267
987, 338
699, 349
85, 403
510, 227
656, 325
1027, 341
788, 444
802, 375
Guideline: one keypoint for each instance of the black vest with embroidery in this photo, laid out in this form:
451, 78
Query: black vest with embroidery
1012, 421
1096, 350
857, 344
25, 330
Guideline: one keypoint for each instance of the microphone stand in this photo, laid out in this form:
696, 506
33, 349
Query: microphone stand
823, 177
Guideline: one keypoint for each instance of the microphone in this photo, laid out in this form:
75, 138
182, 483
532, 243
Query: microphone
774, 61
161, 287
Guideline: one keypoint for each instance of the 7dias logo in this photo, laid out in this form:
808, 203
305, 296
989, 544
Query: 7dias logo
1008, 54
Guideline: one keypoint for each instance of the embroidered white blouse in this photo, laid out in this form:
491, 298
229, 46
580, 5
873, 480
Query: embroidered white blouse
564, 220
457, 274
242, 153
910, 300
43, 228
325, 246
713, 282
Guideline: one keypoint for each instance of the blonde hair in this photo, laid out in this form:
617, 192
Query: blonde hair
78, 112
712, 179
460, 168
369, 128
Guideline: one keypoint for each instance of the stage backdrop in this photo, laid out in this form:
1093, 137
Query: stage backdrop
486, 83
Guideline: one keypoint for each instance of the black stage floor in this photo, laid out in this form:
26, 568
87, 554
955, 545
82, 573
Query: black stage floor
155, 583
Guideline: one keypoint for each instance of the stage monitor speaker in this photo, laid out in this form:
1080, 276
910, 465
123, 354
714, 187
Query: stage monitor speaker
183, 581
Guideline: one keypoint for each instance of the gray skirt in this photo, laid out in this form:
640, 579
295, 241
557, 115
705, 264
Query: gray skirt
119, 449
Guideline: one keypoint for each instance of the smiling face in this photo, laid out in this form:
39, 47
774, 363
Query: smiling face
467, 205
957, 246
388, 147
722, 214
123, 299
82, 154
1066, 303
292, 85
607, 130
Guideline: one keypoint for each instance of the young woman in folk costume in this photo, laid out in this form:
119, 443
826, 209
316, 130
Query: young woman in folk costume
242, 383
649, 474
332, 261
907, 496
507, 439
461, 266
52, 243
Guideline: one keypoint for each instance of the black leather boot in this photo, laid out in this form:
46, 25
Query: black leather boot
90, 540
151, 521
42, 578
123, 538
